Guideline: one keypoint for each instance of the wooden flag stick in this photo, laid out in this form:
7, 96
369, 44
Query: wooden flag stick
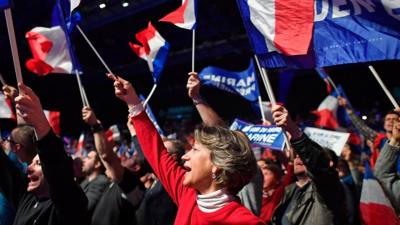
94, 49
261, 109
80, 88
387, 92
13, 44
193, 48
271, 96
3, 82
151, 94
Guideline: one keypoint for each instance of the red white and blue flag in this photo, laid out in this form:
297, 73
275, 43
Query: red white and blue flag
326, 113
74, 4
50, 51
342, 32
54, 120
375, 207
322, 73
6, 110
51, 47
154, 49
80, 146
113, 133
183, 17
282, 26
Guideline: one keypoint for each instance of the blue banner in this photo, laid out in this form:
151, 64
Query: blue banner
243, 83
61, 17
4, 4
152, 117
344, 32
267, 137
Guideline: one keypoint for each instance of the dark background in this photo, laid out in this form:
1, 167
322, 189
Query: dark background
220, 41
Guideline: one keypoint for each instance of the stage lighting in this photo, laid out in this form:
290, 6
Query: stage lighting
102, 5
125, 4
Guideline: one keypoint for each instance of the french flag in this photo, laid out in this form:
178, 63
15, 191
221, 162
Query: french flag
80, 147
6, 108
326, 113
50, 51
183, 17
54, 120
285, 26
113, 133
324, 76
375, 207
154, 49
74, 4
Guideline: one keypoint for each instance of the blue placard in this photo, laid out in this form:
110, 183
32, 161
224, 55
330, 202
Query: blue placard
264, 136
243, 83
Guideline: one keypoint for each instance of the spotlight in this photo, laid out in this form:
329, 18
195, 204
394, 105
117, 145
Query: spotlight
125, 4
364, 117
102, 5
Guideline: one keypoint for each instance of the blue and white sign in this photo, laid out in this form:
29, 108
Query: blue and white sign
243, 83
263, 136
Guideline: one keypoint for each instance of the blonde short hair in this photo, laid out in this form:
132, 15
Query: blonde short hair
230, 151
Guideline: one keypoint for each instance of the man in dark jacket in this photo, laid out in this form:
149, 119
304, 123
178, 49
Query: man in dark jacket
52, 196
95, 182
317, 197
387, 164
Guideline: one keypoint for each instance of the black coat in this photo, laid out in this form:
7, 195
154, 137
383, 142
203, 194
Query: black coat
67, 203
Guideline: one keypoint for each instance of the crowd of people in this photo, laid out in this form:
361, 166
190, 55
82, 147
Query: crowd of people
210, 177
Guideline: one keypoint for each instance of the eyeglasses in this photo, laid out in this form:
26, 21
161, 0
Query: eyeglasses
11, 141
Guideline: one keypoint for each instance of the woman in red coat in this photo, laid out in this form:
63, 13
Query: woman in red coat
220, 163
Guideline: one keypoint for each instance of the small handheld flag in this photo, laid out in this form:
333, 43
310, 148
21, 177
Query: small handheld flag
154, 49
183, 17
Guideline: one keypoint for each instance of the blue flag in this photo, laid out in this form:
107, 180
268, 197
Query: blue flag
61, 17
243, 83
263, 136
152, 117
344, 32
4, 4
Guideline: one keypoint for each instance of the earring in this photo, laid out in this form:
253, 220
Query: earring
213, 176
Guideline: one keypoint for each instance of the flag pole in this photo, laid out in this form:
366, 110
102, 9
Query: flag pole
151, 94
94, 49
267, 85
262, 77
3, 82
80, 87
271, 97
261, 109
387, 92
333, 84
13, 44
193, 47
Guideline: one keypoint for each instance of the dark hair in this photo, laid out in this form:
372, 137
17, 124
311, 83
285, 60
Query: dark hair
274, 167
393, 112
98, 159
24, 135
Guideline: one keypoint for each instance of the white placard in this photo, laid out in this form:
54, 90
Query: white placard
329, 139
